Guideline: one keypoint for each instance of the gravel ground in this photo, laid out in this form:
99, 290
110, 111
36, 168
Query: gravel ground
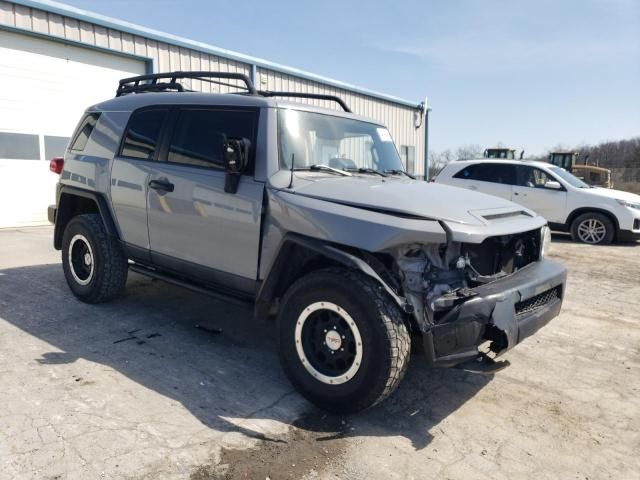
164, 383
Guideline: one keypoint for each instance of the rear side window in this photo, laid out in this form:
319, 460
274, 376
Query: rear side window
489, 172
143, 133
199, 135
84, 132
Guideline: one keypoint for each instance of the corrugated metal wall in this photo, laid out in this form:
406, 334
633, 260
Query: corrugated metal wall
167, 57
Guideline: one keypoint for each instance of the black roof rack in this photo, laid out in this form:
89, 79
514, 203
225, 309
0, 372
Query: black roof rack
153, 83
316, 96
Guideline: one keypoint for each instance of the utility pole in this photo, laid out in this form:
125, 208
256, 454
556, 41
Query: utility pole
426, 110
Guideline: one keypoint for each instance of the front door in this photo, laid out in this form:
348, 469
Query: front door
195, 227
532, 193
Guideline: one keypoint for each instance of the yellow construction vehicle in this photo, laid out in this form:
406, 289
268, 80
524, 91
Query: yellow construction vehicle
590, 174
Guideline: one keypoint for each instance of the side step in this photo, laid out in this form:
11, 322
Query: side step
148, 272
483, 365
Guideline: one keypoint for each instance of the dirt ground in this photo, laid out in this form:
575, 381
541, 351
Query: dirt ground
165, 383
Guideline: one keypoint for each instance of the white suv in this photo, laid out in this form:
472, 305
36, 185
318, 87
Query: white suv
592, 215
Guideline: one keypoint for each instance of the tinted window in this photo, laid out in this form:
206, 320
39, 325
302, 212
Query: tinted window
54, 146
143, 133
19, 146
84, 132
532, 177
489, 172
199, 135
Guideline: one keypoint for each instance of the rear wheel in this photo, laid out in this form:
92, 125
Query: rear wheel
94, 264
593, 228
343, 342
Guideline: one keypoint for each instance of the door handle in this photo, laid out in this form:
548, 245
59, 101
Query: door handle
473, 187
161, 184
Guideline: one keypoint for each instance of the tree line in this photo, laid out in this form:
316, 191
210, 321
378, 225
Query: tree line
616, 154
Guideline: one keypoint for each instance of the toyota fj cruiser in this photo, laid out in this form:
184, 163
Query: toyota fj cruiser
307, 214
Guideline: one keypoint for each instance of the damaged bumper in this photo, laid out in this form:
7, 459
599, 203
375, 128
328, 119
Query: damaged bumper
504, 312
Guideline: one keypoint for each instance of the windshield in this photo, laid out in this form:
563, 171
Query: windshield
319, 139
567, 177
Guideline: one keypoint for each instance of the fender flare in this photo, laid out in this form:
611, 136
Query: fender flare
580, 210
278, 276
63, 214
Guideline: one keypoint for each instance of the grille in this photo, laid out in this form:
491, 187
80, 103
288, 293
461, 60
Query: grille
540, 300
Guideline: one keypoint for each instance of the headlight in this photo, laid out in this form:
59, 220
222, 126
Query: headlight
545, 241
624, 203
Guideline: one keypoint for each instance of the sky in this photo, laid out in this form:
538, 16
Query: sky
529, 74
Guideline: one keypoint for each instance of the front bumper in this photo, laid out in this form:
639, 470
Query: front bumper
504, 312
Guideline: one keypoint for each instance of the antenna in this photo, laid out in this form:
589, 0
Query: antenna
291, 178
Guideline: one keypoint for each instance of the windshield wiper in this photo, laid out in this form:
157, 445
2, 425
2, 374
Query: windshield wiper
325, 168
366, 170
394, 171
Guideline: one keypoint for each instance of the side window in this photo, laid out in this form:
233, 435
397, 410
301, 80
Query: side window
143, 133
489, 172
199, 135
503, 173
84, 132
532, 177
468, 173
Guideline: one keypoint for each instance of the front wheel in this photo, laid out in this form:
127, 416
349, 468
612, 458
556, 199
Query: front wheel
593, 228
342, 341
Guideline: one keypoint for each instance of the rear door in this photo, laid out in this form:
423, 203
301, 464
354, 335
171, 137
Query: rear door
532, 193
493, 178
195, 227
130, 173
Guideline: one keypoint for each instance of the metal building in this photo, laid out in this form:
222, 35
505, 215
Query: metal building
55, 60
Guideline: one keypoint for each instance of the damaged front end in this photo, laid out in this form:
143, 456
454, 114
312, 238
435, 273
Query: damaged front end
493, 294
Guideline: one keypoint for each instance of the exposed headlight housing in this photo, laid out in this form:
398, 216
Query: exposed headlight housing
627, 204
545, 241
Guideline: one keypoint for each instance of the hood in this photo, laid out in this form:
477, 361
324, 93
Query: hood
615, 194
408, 197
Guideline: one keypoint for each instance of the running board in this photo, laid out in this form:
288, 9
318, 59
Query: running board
483, 365
148, 272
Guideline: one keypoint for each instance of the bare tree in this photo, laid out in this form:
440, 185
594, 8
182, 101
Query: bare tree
467, 152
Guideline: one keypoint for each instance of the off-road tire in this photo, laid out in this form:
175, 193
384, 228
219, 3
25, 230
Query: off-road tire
598, 217
110, 264
386, 342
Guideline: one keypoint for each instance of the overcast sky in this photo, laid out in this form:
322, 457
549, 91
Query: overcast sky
531, 74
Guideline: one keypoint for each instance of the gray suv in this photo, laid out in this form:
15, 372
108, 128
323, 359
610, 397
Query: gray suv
306, 214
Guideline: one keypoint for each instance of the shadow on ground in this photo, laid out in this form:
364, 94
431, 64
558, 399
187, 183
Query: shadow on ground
213, 358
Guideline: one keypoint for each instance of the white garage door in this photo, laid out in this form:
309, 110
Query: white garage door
44, 88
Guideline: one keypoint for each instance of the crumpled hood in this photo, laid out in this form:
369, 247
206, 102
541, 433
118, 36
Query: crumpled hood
409, 197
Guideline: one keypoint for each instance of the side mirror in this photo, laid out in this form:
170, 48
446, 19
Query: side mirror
553, 185
235, 154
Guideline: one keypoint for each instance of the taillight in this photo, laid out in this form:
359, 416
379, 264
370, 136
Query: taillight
56, 164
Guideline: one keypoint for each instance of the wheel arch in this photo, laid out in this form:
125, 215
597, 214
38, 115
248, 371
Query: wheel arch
579, 211
299, 255
76, 201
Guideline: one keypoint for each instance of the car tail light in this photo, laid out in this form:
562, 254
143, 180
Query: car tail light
56, 164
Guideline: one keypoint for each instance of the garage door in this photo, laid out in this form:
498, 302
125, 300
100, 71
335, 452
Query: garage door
45, 86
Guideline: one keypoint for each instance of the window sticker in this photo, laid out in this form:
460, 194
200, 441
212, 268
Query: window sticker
384, 135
